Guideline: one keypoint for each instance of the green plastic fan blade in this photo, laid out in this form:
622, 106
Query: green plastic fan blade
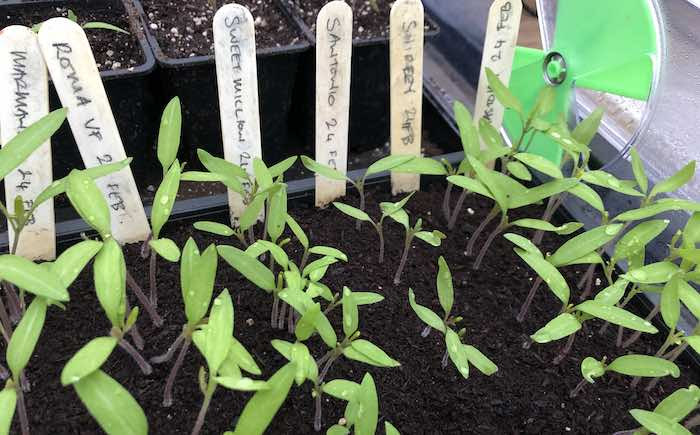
606, 46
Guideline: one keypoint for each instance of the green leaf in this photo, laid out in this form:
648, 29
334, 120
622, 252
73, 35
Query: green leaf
342, 389
433, 238
679, 404
390, 429
367, 298
654, 273
24, 338
604, 179
325, 330
639, 173
368, 407
305, 325
204, 177
387, 163
561, 326
329, 252
690, 298
251, 213
584, 243
586, 130
214, 228
262, 246
480, 361
88, 359
238, 353
32, 277
111, 405
658, 424
218, 331
616, 315
503, 95
166, 248
19, 148
351, 318
231, 173
470, 184
165, 199
197, 276
169, 133
353, 212
323, 170
487, 177
670, 302
611, 295
457, 352
8, 401
366, 352
252, 269
276, 220
88, 201
591, 368
241, 384
589, 196
103, 26
540, 164
538, 224
543, 191
661, 206
110, 281
421, 165
262, 174
519, 171
319, 264
645, 366
262, 407
523, 243
282, 167
73, 260
298, 232
444, 285
549, 274
427, 315
337, 429
467, 131
638, 237
675, 181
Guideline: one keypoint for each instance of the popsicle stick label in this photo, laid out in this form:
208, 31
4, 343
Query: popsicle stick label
406, 59
499, 50
237, 79
333, 55
77, 80
24, 92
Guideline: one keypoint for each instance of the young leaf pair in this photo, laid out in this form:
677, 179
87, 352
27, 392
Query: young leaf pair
461, 354
669, 414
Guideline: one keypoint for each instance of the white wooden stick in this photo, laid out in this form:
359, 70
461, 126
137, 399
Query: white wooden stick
499, 50
333, 55
406, 55
24, 99
237, 79
77, 80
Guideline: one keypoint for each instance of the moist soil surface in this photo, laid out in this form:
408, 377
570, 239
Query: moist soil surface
184, 29
367, 22
528, 394
113, 50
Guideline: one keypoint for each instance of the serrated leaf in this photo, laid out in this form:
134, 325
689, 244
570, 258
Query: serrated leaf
165, 199
367, 352
88, 359
480, 361
169, 134
427, 315
444, 285
166, 248
616, 315
252, 269
214, 228
645, 366
88, 201
561, 326
675, 181
353, 212
110, 281
457, 352
111, 405
584, 243
549, 274
24, 338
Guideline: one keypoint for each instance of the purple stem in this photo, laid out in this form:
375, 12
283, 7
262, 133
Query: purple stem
13, 302
445, 360
381, 244
168, 393
4, 373
291, 320
5, 322
446, 202
426, 331
152, 279
283, 313
634, 337
404, 258
145, 302
142, 363
22, 411
565, 350
475, 235
578, 388
498, 230
528, 301
273, 314
458, 209
167, 356
319, 391
202, 413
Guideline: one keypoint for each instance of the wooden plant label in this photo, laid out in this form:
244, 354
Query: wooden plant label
499, 50
74, 73
333, 55
237, 79
406, 54
24, 99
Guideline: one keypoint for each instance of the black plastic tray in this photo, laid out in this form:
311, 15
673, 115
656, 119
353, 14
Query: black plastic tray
369, 87
134, 105
193, 79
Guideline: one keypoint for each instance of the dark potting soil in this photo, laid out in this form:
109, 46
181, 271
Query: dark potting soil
367, 23
184, 29
528, 394
113, 50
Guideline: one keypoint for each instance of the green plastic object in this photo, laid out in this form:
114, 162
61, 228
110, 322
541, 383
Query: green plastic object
603, 45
